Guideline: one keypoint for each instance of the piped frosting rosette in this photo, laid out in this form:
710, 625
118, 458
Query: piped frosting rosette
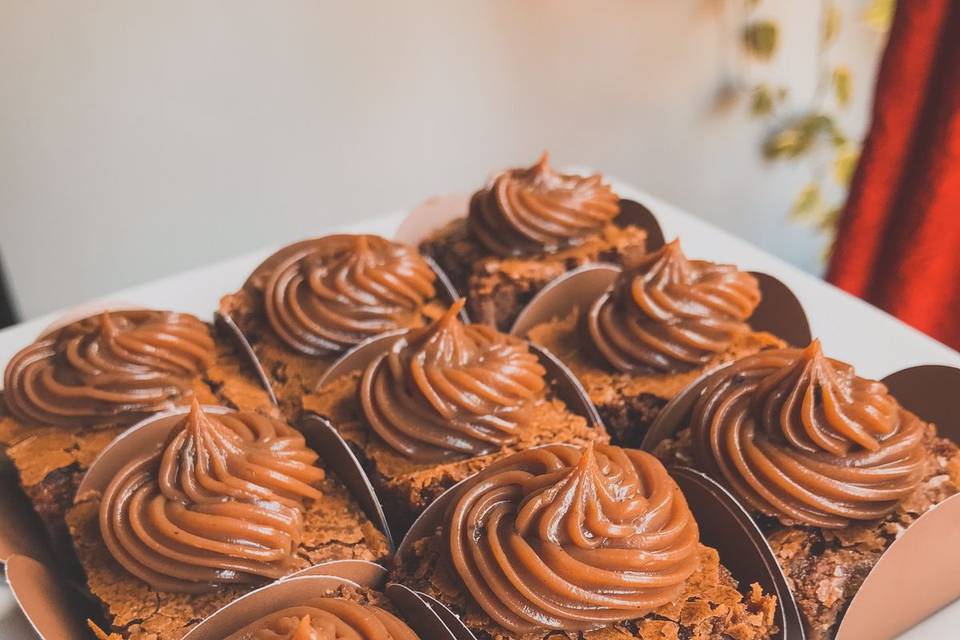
113, 368
328, 619
568, 538
450, 390
332, 293
222, 503
535, 210
801, 437
667, 313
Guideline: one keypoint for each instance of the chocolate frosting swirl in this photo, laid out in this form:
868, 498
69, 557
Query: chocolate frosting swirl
114, 368
537, 210
328, 619
451, 390
329, 294
667, 313
801, 437
567, 538
220, 504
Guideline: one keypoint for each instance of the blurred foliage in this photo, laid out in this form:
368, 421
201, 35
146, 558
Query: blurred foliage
760, 39
799, 136
879, 14
842, 85
815, 136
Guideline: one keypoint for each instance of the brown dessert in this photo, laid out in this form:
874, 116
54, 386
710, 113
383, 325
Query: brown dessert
231, 501
311, 301
440, 403
67, 395
525, 228
590, 543
831, 466
348, 613
666, 321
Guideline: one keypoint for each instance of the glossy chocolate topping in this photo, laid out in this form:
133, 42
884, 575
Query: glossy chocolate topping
220, 504
328, 619
536, 210
799, 436
114, 368
667, 314
334, 292
560, 537
451, 390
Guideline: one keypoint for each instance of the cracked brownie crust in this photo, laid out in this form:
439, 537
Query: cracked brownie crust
825, 567
498, 288
711, 607
628, 403
335, 528
50, 460
408, 487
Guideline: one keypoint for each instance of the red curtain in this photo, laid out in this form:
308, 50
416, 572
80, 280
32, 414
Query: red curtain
898, 243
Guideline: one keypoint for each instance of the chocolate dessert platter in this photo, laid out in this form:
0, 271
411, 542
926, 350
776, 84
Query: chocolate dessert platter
84, 380
524, 228
600, 439
425, 408
853, 481
636, 335
311, 301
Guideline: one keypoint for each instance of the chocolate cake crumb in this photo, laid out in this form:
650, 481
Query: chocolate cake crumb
825, 567
334, 528
629, 403
711, 607
406, 487
498, 288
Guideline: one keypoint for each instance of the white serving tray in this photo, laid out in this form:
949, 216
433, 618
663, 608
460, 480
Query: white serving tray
850, 329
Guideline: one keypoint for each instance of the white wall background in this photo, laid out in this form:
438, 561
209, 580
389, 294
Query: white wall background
141, 138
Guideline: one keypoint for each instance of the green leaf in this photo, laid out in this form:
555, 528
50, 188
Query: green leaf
807, 202
879, 14
831, 23
760, 39
829, 219
845, 163
786, 143
842, 85
761, 103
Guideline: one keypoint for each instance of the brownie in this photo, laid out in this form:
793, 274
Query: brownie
825, 567
334, 528
628, 403
51, 460
407, 487
360, 595
497, 288
712, 605
292, 373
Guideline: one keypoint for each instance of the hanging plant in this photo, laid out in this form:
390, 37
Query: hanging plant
815, 137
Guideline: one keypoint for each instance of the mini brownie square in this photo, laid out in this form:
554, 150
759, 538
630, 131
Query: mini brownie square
666, 322
67, 395
231, 502
311, 301
441, 403
356, 613
525, 228
593, 543
831, 466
